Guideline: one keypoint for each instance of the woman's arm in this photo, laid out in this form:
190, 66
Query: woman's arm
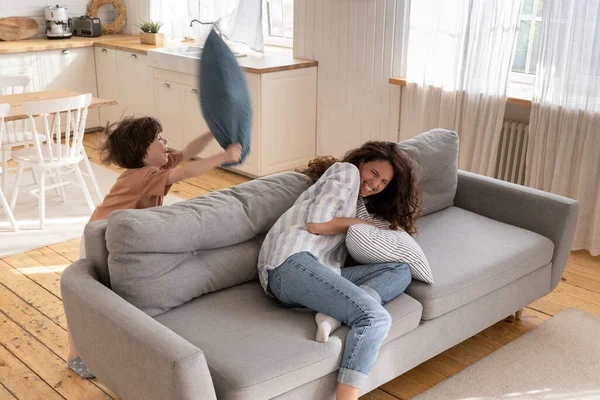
336, 226
197, 145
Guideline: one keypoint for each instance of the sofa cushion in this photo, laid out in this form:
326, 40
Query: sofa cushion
471, 256
435, 157
224, 95
164, 256
256, 348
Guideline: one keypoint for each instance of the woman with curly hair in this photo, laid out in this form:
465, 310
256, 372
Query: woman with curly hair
302, 257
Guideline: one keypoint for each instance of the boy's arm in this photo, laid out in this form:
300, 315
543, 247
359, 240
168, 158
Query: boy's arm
198, 167
196, 146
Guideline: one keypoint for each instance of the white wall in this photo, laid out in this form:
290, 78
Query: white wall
358, 44
137, 10
35, 9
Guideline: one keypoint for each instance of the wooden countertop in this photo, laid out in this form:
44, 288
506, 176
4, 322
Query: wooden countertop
270, 61
16, 100
515, 96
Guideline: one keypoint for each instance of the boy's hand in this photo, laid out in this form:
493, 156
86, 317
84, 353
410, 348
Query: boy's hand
233, 153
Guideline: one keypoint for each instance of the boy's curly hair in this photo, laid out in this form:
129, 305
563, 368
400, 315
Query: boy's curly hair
399, 202
127, 141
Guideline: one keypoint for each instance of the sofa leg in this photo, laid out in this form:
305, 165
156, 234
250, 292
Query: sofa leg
518, 314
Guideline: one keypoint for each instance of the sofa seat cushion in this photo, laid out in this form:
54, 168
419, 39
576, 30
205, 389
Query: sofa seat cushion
256, 348
470, 256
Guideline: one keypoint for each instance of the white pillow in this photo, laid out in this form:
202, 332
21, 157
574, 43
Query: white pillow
369, 245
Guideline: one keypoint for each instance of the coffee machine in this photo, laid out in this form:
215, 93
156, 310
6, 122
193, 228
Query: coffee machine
58, 23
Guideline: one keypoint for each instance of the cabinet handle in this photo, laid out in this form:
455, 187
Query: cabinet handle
66, 51
195, 91
133, 55
166, 85
104, 51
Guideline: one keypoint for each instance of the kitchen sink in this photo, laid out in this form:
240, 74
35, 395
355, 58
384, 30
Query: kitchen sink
179, 59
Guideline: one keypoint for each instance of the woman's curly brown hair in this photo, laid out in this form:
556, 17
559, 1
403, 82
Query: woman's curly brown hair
399, 202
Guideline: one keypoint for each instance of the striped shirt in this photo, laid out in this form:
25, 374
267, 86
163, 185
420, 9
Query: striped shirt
362, 213
335, 194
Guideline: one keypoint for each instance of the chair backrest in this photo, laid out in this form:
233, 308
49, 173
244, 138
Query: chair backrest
15, 84
76, 109
4, 109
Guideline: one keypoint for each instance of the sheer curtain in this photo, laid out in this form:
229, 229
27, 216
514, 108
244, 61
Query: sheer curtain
563, 153
238, 20
458, 63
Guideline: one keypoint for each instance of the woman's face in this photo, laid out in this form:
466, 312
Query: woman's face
374, 177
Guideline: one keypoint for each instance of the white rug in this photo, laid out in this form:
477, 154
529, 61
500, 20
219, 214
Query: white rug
558, 360
64, 221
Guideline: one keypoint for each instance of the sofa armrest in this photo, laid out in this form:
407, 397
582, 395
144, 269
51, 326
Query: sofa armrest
133, 354
550, 215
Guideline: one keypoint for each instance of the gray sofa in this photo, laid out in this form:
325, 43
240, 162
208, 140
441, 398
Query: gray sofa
167, 304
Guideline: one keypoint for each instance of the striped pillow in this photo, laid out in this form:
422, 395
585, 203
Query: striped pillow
368, 245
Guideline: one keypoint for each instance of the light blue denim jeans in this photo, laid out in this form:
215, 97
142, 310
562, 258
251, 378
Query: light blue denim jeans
302, 281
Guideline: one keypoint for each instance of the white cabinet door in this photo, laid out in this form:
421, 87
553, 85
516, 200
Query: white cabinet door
136, 95
288, 117
192, 122
21, 64
108, 83
168, 111
73, 69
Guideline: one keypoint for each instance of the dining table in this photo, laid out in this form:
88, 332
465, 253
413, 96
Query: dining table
17, 100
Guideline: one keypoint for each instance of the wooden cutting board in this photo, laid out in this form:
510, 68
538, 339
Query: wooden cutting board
17, 28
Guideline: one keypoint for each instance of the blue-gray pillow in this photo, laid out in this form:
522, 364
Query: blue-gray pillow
224, 96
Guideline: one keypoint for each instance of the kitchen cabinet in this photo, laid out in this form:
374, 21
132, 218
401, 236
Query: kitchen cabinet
108, 83
73, 69
21, 64
167, 95
136, 94
284, 117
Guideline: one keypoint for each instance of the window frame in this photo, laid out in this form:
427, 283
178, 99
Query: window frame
273, 40
526, 77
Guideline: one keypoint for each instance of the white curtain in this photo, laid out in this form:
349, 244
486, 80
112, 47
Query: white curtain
238, 20
563, 153
458, 63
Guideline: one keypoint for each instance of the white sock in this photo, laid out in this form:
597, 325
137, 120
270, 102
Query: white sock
325, 326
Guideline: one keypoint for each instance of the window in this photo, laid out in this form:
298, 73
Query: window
278, 22
524, 64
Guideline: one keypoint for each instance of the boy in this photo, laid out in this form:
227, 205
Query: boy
136, 144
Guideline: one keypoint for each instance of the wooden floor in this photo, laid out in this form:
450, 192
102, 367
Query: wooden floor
34, 346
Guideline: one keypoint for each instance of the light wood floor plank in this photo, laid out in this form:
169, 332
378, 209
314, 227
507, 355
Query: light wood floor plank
20, 381
69, 250
45, 363
583, 257
5, 394
35, 271
403, 388
34, 294
377, 394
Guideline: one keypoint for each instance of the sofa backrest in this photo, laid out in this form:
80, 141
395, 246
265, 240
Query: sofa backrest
162, 257
435, 159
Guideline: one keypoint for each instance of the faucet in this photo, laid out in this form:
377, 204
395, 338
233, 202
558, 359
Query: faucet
207, 23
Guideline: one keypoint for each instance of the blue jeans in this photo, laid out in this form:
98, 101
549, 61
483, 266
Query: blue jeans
302, 281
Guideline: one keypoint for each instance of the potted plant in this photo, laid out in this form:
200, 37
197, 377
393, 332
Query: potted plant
149, 33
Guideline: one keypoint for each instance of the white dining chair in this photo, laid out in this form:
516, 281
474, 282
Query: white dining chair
4, 109
57, 157
16, 133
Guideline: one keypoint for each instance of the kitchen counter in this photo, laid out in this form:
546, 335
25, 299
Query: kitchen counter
270, 61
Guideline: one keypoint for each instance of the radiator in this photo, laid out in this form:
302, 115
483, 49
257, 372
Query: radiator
510, 165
